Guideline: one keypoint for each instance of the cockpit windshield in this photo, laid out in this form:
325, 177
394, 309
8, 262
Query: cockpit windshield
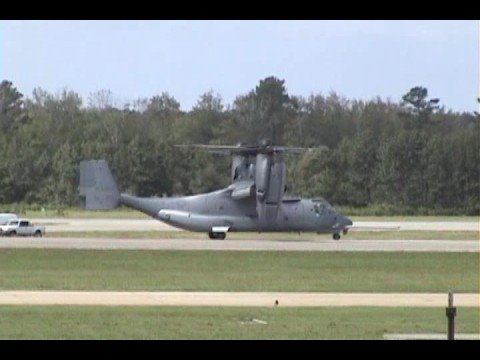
322, 206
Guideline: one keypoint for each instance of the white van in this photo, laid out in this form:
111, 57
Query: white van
6, 217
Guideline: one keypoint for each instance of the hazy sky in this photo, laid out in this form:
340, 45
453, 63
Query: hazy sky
136, 59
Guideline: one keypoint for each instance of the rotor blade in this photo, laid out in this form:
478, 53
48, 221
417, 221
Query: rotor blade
297, 150
251, 149
213, 147
224, 149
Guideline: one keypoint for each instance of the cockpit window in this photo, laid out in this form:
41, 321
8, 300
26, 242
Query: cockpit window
321, 206
328, 206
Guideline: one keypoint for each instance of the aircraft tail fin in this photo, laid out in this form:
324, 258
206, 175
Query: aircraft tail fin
98, 189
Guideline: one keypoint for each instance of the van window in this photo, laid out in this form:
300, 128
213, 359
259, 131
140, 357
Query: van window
23, 223
5, 218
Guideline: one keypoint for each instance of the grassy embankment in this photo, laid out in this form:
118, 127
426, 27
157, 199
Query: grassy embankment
30, 269
353, 235
83, 322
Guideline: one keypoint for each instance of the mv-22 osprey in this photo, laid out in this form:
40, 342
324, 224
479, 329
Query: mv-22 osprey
255, 201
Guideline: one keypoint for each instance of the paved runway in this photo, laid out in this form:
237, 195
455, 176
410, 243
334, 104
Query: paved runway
267, 299
244, 245
75, 225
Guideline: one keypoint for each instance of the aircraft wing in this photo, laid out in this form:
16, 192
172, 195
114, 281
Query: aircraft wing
220, 149
242, 189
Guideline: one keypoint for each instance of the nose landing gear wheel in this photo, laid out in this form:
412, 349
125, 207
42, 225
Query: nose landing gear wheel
336, 236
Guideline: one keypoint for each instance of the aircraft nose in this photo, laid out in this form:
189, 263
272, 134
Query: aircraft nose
346, 221
343, 221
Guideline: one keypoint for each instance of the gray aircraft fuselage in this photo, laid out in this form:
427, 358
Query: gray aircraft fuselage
217, 209
242, 206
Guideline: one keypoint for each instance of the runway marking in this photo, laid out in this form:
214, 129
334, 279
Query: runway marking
258, 299
244, 245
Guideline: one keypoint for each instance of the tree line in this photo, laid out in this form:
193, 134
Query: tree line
411, 156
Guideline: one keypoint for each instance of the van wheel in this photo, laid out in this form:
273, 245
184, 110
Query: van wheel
38, 233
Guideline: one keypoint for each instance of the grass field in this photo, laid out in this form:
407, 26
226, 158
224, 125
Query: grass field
76, 322
353, 235
41, 269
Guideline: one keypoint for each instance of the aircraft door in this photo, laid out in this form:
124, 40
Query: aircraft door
299, 213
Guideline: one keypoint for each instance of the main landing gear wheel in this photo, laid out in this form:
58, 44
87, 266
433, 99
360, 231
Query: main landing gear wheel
217, 235
336, 236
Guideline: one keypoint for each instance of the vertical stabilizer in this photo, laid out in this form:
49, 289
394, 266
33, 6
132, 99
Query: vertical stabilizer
98, 190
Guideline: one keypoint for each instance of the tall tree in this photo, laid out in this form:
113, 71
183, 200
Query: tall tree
12, 113
417, 103
377, 155
265, 110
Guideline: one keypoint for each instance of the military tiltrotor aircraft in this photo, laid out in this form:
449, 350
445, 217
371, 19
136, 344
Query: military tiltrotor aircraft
255, 201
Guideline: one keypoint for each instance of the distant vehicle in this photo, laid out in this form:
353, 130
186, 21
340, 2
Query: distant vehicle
22, 227
6, 217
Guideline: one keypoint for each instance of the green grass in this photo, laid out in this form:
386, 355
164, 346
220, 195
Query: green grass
47, 269
82, 322
353, 235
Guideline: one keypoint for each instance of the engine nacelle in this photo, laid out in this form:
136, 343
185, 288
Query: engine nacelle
276, 188
270, 182
262, 175
240, 168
